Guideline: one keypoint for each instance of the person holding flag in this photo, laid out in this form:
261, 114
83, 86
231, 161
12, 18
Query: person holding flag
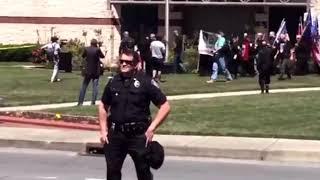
301, 52
283, 56
282, 43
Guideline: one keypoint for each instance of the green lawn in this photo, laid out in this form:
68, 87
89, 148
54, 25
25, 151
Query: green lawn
289, 115
31, 86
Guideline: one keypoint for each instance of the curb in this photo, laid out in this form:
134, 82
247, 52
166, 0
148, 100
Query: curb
244, 154
50, 123
62, 146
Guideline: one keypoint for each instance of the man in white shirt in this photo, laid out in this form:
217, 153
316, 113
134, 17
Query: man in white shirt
158, 51
53, 49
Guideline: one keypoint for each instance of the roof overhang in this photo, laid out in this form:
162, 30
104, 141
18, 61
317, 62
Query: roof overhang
216, 3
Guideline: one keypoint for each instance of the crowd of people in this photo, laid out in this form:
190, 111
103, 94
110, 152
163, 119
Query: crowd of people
152, 51
265, 55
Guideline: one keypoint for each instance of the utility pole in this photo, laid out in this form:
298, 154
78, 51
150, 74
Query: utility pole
167, 29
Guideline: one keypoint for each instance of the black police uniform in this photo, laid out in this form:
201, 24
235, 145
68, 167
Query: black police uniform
129, 100
264, 66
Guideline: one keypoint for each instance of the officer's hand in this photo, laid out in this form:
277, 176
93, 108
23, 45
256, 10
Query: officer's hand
104, 138
149, 134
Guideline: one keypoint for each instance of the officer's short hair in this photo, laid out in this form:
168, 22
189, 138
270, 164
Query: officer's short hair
131, 52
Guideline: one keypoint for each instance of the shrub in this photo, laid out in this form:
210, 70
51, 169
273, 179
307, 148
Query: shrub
190, 59
76, 47
39, 56
15, 45
20, 53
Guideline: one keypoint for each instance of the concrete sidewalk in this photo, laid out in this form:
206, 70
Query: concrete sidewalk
177, 97
208, 146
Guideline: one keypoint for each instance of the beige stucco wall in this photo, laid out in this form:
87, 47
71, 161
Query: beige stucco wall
54, 8
315, 6
17, 33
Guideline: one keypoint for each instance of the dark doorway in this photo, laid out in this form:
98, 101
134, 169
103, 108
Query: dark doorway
139, 20
292, 16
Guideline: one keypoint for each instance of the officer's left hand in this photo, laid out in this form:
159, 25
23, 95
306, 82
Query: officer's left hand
149, 134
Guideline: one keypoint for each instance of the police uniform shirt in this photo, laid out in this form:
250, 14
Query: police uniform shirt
129, 98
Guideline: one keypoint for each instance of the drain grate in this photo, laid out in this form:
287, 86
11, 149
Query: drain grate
93, 149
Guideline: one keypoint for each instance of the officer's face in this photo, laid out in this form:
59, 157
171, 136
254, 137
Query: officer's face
126, 63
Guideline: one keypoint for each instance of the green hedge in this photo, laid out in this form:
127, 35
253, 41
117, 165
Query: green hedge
20, 53
190, 59
15, 45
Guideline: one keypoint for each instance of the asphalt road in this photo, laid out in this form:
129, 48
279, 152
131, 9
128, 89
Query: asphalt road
31, 164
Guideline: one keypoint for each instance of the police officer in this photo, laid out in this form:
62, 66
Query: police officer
264, 66
124, 115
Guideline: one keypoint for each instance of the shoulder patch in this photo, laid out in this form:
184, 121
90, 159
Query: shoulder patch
154, 83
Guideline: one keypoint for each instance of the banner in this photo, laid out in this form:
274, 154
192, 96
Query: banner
206, 42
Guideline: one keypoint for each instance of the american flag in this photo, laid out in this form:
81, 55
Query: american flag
282, 30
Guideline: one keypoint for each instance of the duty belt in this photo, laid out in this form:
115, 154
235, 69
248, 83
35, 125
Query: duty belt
132, 128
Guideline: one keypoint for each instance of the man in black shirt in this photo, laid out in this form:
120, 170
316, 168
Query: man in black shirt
124, 114
178, 50
126, 43
92, 71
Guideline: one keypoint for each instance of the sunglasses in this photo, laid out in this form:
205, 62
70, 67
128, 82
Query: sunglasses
126, 61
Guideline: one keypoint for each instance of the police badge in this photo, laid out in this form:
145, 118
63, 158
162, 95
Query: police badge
136, 83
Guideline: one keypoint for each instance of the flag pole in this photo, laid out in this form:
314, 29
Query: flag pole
167, 29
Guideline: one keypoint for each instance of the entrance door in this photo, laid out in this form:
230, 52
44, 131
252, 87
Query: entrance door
139, 20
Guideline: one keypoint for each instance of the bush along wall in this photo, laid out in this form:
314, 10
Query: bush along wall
20, 53
190, 59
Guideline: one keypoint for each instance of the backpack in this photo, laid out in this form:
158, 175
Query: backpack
50, 52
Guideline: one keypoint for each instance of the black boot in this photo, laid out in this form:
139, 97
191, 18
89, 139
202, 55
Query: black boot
262, 86
267, 88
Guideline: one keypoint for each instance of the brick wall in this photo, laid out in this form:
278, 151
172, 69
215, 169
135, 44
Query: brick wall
29, 21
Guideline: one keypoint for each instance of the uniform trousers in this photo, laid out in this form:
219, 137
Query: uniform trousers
119, 146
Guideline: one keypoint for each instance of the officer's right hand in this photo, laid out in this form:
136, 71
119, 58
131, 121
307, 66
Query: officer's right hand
104, 138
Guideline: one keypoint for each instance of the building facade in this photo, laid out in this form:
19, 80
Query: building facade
35, 21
